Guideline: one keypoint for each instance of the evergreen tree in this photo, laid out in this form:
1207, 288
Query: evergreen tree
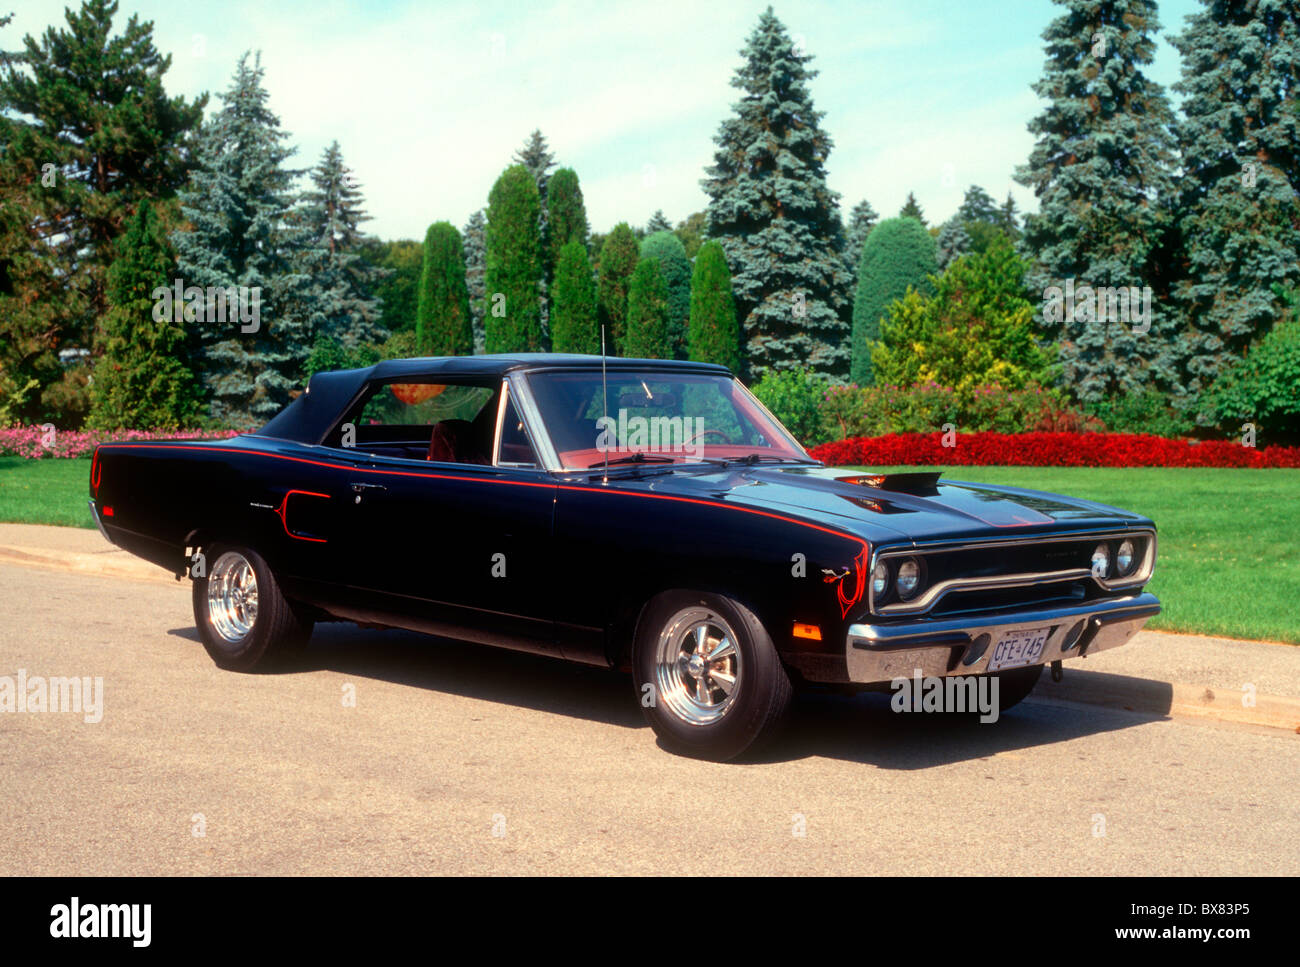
238, 203
87, 132
978, 206
658, 223
862, 220
573, 315
676, 267
443, 323
536, 156
898, 255
340, 282
618, 259
567, 216
513, 265
976, 329
777, 220
1240, 221
714, 335
1008, 218
953, 242
475, 266
398, 290
912, 209
1101, 160
647, 313
142, 377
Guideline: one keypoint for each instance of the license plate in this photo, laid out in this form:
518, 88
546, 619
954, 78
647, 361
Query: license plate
1018, 648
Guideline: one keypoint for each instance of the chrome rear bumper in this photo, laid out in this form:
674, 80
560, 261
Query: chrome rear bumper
964, 645
99, 523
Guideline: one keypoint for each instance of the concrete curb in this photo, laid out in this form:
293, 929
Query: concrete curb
1174, 699
1131, 693
109, 562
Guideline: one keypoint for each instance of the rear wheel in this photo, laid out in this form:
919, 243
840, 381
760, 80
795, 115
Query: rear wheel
718, 688
244, 620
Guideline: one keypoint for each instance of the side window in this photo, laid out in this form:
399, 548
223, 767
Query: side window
448, 422
516, 450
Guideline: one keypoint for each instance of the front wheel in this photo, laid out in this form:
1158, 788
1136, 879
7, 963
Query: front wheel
244, 620
717, 687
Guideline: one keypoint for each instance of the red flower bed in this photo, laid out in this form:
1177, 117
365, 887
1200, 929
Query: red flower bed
1050, 450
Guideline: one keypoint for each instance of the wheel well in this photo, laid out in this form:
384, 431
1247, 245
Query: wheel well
622, 632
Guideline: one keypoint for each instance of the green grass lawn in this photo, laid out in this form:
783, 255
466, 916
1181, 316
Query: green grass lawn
1229, 540
45, 491
1229, 559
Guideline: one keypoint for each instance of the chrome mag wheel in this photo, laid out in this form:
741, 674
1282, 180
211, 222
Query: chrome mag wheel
232, 596
697, 666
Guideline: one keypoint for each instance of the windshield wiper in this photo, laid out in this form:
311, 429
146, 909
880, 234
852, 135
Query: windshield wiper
751, 459
637, 457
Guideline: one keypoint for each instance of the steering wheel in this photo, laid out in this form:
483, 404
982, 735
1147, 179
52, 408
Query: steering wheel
725, 438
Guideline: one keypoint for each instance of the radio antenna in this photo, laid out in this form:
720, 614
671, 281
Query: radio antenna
604, 391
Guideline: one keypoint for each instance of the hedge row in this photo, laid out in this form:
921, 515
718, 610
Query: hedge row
1049, 450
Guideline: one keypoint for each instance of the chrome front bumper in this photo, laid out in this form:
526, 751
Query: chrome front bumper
964, 645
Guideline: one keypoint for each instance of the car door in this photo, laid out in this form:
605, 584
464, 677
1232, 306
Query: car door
460, 548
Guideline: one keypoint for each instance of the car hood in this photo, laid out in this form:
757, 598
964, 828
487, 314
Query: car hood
886, 507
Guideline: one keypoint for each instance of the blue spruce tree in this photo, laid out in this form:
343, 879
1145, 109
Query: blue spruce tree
777, 220
241, 239
340, 284
1100, 163
1240, 221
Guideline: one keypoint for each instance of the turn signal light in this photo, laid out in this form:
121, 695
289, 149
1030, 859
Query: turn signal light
811, 632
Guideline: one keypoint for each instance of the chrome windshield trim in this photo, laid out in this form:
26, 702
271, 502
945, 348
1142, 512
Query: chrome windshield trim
526, 406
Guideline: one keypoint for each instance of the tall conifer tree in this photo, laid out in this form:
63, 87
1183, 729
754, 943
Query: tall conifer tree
1100, 165
442, 320
1240, 221
340, 283
474, 235
513, 269
143, 379
777, 220
242, 235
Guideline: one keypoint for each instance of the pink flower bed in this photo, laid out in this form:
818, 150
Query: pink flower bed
30, 441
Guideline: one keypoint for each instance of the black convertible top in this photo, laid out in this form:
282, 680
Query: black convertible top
308, 418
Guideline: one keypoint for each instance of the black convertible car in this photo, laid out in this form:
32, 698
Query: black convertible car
638, 514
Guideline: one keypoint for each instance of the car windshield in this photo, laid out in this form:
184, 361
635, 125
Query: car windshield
656, 417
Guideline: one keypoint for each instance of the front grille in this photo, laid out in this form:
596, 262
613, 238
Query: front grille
1007, 573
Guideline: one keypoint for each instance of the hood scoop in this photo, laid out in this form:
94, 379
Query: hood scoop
924, 484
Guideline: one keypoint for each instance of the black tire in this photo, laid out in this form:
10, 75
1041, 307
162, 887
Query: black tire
1015, 684
748, 716
274, 636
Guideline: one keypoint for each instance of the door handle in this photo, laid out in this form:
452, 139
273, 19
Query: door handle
363, 487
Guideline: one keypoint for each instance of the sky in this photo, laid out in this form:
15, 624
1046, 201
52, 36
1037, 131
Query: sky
429, 100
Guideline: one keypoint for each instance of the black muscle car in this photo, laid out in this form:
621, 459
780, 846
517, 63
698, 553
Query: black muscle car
638, 514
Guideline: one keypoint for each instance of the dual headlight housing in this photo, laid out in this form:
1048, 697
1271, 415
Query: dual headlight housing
1118, 559
900, 578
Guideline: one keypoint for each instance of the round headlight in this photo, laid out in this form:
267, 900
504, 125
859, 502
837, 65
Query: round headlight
1124, 557
880, 578
1101, 561
909, 578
